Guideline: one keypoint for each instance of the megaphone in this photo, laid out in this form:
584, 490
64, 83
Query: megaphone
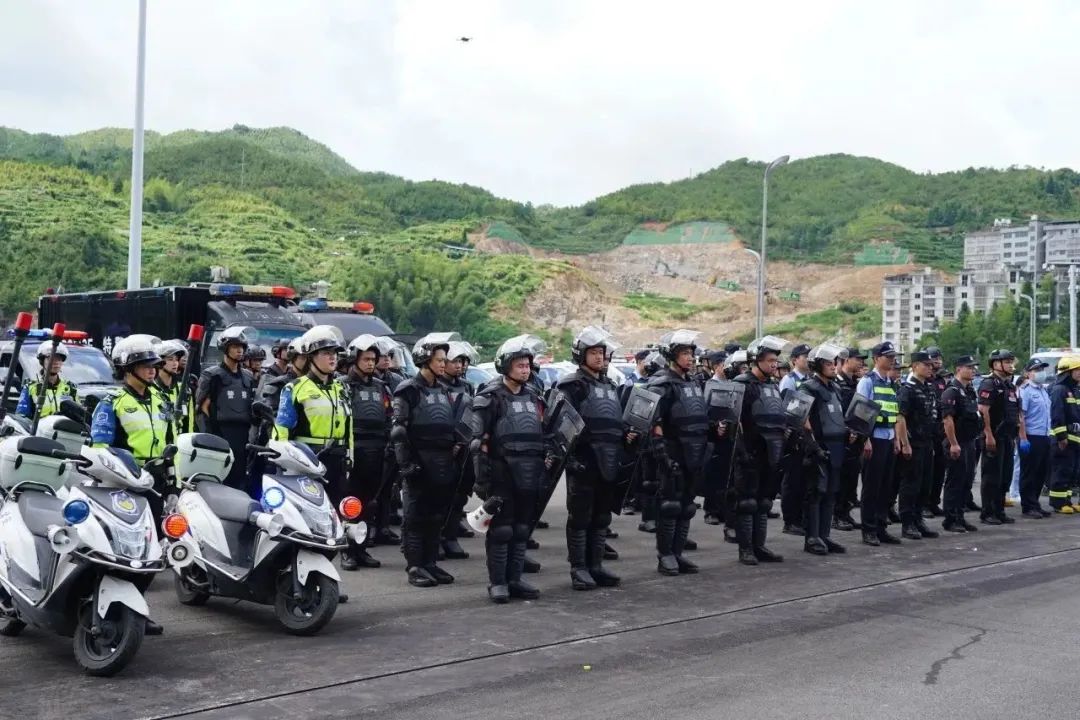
61, 539
480, 518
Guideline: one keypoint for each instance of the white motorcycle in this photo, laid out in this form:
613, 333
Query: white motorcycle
277, 552
79, 564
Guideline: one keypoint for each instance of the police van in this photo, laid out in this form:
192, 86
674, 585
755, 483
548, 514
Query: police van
266, 311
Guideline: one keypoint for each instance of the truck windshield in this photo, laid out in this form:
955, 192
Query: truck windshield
263, 336
351, 325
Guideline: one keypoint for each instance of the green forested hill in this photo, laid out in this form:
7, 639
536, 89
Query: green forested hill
275, 205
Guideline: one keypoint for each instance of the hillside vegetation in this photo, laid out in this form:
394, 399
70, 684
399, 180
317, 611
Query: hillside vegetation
275, 205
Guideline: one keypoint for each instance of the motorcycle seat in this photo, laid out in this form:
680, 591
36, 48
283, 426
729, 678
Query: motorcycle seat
226, 502
39, 510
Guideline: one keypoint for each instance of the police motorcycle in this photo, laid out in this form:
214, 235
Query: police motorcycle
78, 547
274, 552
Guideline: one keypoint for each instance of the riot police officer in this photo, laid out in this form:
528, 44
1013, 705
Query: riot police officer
679, 441
830, 436
385, 370
847, 379
592, 472
423, 439
1065, 428
511, 456
254, 358
370, 400
461, 392
1002, 422
758, 450
279, 351
270, 385
224, 398
644, 484
939, 381
916, 428
315, 409
56, 388
960, 409
792, 486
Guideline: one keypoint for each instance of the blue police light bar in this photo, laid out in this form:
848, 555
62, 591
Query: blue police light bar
313, 305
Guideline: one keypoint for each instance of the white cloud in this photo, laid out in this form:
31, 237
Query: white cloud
561, 101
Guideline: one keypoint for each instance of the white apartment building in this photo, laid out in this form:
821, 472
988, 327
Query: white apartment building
1006, 245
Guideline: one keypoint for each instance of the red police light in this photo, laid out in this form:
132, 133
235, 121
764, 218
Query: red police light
282, 291
362, 307
58, 330
195, 333
23, 321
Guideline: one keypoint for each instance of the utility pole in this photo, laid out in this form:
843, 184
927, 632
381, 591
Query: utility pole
1072, 307
134, 268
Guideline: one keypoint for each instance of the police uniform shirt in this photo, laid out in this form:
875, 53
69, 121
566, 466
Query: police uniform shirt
998, 394
959, 403
918, 406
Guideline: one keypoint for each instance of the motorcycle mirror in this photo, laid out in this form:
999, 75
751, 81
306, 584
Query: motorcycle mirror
169, 452
72, 410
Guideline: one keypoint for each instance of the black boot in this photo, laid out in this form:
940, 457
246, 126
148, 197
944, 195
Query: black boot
682, 529
514, 567
665, 539
744, 534
348, 561
463, 530
580, 579
911, 531
815, 546
431, 554
497, 555
596, 555
610, 553
761, 531
923, 530
412, 546
833, 546
453, 550
386, 536
530, 566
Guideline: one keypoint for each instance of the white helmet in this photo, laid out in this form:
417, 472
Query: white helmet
45, 349
234, 335
322, 337
168, 348
827, 352
460, 348
361, 344
134, 350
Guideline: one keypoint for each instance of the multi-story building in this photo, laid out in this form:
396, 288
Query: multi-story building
1006, 245
1061, 242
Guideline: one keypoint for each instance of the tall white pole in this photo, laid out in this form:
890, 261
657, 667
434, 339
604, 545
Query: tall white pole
134, 269
761, 258
1072, 307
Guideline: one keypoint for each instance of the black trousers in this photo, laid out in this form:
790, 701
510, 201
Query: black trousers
1034, 471
237, 435
849, 479
997, 472
914, 474
718, 477
877, 479
959, 478
366, 482
932, 498
793, 489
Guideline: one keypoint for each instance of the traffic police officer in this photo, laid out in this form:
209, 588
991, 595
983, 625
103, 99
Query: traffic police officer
224, 398
916, 428
371, 431
423, 439
315, 410
878, 471
960, 408
511, 456
56, 388
1002, 422
169, 377
1065, 427
592, 472
758, 450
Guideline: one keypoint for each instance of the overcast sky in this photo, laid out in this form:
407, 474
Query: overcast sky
557, 102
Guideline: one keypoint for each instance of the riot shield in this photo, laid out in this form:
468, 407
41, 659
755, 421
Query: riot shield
861, 415
725, 400
640, 411
797, 408
565, 426
463, 419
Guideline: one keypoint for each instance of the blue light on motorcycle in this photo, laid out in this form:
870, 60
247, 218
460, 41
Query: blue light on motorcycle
273, 498
76, 512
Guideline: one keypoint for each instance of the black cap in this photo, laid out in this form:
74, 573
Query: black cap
883, 348
732, 347
934, 352
1035, 364
641, 355
715, 357
856, 353
1002, 354
965, 361
920, 356
799, 351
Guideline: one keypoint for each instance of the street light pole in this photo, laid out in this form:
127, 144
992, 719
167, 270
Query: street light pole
1072, 307
1031, 328
761, 259
134, 269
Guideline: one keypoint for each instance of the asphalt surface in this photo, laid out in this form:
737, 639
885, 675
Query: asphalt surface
966, 626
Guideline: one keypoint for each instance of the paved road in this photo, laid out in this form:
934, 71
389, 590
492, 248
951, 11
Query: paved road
961, 627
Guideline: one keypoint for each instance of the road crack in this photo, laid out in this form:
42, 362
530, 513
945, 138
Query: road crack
954, 654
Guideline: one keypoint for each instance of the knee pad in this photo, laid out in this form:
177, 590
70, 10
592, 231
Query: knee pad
577, 522
521, 532
602, 520
670, 508
500, 534
765, 505
746, 507
689, 511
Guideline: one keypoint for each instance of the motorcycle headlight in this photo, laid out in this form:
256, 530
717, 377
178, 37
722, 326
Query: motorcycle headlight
127, 541
319, 520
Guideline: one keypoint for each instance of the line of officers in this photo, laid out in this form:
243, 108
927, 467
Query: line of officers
653, 445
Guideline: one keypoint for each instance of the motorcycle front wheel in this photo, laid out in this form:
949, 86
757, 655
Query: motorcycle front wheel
309, 613
109, 651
